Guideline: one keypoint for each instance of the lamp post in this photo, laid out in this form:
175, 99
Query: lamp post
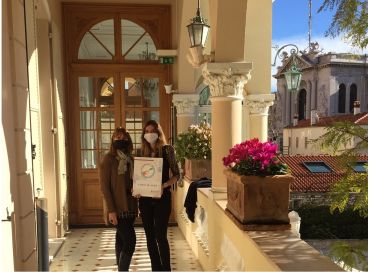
294, 75
198, 30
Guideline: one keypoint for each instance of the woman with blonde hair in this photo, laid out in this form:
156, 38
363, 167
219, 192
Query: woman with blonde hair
155, 212
120, 207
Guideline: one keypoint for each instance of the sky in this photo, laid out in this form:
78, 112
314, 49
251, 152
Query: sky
290, 25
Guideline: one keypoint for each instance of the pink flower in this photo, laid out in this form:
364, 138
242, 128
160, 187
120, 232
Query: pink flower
256, 153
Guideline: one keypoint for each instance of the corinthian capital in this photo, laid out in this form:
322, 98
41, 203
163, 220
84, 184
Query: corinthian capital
259, 103
185, 104
227, 79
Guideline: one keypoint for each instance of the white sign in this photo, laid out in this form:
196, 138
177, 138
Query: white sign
147, 176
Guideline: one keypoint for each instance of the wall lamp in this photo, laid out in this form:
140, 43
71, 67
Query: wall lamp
293, 75
198, 32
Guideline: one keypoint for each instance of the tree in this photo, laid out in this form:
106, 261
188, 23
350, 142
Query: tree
352, 190
350, 19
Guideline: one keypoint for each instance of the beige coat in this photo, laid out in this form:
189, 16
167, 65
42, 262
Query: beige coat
116, 189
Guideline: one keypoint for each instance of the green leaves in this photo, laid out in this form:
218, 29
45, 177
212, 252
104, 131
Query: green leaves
341, 134
252, 167
352, 189
350, 19
350, 256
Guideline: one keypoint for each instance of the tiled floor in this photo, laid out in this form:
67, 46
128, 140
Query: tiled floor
93, 250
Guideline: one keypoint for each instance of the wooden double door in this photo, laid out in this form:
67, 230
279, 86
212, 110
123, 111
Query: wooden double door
101, 102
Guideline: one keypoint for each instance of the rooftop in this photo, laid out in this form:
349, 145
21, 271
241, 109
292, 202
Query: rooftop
360, 119
320, 182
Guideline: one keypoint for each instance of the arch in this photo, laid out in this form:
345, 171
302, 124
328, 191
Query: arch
342, 98
106, 43
302, 102
352, 96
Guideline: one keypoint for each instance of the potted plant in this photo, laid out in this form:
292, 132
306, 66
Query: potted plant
193, 150
258, 185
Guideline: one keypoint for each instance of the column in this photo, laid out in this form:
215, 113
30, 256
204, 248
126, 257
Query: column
226, 82
257, 106
185, 106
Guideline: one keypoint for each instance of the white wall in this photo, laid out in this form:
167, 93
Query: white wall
17, 166
303, 135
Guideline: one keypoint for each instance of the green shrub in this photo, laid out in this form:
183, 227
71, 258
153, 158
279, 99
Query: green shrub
195, 143
318, 223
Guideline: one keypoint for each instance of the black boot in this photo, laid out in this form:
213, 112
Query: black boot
124, 262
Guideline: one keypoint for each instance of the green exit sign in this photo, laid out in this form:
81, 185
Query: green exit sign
166, 60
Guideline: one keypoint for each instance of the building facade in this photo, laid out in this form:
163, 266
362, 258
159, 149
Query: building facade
298, 138
331, 83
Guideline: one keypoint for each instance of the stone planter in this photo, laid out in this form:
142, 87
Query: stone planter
196, 169
258, 200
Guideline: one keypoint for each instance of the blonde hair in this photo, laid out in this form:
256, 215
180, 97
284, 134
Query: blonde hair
145, 146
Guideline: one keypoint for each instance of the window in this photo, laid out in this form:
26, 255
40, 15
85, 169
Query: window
317, 167
204, 96
302, 104
305, 142
342, 98
352, 96
204, 111
99, 42
296, 142
359, 167
137, 44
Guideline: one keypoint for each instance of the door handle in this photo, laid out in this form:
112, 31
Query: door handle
8, 217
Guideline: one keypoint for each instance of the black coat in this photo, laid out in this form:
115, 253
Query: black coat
191, 197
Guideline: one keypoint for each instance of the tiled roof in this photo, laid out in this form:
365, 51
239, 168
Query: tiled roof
306, 181
360, 119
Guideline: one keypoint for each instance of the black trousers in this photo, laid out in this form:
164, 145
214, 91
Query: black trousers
155, 214
125, 242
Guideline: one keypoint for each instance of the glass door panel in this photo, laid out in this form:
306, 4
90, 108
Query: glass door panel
135, 121
137, 44
133, 94
142, 92
134, 126
98, 42
97, 118
141, 104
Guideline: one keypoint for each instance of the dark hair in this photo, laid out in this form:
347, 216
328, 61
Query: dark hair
145, 146
127, 135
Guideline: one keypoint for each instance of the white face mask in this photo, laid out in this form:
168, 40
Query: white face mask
151, 137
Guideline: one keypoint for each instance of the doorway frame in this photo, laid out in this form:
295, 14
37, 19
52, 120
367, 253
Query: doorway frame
79, 18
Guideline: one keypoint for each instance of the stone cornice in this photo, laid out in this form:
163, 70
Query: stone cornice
258, 104
185, 104
227, 79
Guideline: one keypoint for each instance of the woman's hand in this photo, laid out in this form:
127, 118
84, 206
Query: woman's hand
136, 196
112, 217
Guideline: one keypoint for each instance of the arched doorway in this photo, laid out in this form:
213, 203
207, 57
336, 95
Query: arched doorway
114, 79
